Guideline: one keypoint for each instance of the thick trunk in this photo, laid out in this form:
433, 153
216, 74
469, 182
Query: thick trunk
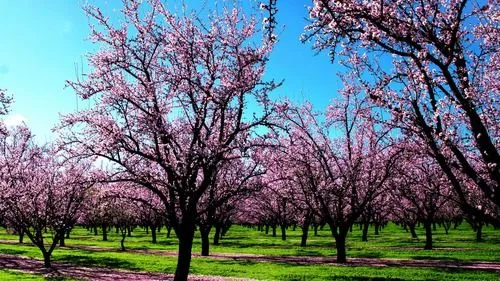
95, 230
61, 241
129, 231
153, 234
428, 235
283, 232
267, 229
205, 242
21, 236
274, 230
479, 232
305, 232
341, 250
377, 228
217, 235
364, 236
185, 236
104, 233
46, 259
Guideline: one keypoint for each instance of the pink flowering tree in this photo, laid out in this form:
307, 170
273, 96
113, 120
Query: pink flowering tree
235, 180
423, 190
170, 103
433, 65
40, 189
342, 160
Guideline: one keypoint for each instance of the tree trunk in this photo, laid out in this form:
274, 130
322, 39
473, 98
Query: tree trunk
283, 232
411, 226
185, 237
169, 231
95, 230
129, 231
123, 231
479, 232
205, 242
377, 227
305, 232
364, 236
67, 233
21, 236
428, 235
61, 241
267, 229
104, 233
341, 250
46, 259
274, 230
217, 235
153, 234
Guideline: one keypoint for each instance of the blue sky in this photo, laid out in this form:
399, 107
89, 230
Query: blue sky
42, 41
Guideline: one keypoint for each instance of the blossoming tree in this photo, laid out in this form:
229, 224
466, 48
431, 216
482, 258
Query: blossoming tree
170, 103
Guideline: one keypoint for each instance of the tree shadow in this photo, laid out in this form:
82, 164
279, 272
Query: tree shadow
13, 251
90, 261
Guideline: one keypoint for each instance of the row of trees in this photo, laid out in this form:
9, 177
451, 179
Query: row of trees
173, 130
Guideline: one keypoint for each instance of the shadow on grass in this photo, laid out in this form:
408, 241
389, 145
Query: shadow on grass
371, 255
89, 261
12, 252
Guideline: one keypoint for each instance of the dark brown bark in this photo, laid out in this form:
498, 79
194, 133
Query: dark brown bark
153, 234
185, 235
217, 234
479, 232
283, 232
305, 233
205, 242
411, 226
341, 249
104, 233
428, 235
364, 236
46, 259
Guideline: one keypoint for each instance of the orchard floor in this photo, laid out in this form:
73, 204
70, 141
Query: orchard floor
249, 254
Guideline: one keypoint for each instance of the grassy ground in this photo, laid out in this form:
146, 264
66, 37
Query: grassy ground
393, 242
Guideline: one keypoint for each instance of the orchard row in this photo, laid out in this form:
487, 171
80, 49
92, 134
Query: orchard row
181, 130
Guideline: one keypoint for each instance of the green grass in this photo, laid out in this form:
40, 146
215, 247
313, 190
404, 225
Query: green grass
393, 242
251, 269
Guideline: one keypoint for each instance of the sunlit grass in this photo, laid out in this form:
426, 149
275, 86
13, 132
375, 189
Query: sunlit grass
393, 242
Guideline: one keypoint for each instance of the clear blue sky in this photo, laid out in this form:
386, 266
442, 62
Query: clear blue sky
42, 40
